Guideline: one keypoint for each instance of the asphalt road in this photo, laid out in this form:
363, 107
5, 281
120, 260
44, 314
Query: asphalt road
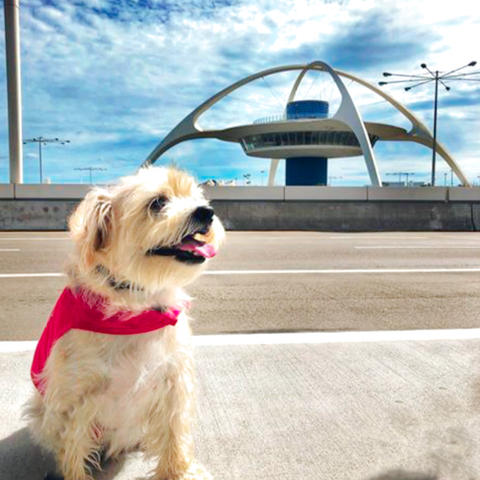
374, 403
352, 287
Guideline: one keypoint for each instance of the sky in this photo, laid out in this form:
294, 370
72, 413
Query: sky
115, 76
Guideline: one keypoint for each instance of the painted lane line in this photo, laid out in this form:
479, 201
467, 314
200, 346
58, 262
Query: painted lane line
301, 338
336, 337
16, 239
346, 237
9, 249
27, 275
17, 346
418, 247
288, 272
343, 271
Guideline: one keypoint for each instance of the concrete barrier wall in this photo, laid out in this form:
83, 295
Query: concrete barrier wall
419, 194
247, 193
460, 194
46, 207
274, 215
326, 193
6, 191
347, 216
35, 214
47, 191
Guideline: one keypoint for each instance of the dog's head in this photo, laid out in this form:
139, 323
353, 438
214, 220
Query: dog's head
153, 230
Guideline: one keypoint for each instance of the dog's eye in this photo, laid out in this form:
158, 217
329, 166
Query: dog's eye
157, 204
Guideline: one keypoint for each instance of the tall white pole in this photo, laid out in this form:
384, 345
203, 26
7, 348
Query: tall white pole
12, 43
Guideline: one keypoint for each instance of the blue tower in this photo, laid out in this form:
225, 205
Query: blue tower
306, 170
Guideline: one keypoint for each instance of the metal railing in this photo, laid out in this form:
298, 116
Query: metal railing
271, 119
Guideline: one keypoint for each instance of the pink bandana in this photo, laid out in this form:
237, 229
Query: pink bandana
73, 312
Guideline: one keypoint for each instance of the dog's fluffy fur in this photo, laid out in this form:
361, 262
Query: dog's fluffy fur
136, 390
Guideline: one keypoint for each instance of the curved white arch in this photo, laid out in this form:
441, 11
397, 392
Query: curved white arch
419, 133
188, 129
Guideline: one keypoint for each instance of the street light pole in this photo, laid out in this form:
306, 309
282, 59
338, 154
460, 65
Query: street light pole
40, 160
399, 176
331, 178
436, 77
435, 128
44, 141
407, 174
91, 169
14, 87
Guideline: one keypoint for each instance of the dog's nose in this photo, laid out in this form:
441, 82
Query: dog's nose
203, 214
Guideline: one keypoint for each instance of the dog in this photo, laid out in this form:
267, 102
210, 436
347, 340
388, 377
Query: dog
113, 369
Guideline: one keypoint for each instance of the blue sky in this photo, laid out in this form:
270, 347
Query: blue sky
115, 76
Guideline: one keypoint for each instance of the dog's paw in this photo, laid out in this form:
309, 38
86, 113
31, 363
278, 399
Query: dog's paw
196, 472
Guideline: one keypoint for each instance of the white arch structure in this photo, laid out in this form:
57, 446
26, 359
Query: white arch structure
347, 114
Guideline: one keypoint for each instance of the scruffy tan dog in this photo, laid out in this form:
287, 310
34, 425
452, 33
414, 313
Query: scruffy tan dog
113, 368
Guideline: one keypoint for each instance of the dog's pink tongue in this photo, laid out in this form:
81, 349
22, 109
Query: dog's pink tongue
206, 250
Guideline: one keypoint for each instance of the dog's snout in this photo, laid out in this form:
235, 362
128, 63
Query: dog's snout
203, 214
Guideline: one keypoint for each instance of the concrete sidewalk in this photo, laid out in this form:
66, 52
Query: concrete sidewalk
339, 411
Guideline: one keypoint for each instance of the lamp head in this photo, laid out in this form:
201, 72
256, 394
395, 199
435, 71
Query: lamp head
382, 83
423, 65
407, 88
386, 74
472, 64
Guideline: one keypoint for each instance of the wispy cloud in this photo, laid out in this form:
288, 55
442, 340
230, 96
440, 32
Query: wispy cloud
115, 76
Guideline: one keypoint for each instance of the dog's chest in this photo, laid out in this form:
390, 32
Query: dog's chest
136, 370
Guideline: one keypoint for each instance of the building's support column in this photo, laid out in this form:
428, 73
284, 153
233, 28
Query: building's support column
12, 44
273, 171
306, 171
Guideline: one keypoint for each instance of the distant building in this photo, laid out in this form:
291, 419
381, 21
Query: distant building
405, 184
305, 135
220, 183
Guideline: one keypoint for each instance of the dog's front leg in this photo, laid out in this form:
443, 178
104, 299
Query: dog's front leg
169, 437
79, 449
64, 418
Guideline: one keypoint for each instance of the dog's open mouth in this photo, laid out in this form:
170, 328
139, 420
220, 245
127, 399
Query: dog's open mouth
189, 250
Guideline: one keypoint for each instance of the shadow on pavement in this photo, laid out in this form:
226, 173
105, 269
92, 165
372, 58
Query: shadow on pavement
403, 475
21, 459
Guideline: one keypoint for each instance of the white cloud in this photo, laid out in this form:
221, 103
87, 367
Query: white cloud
114, 77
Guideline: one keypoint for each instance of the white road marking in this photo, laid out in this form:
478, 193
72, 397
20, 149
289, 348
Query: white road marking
26, 275
418, 247
9, 249
301, 338
336, 337
360, 237
344, 271
16, 239
288, 272
17, 346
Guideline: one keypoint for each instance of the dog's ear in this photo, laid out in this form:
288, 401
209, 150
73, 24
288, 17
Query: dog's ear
92, 224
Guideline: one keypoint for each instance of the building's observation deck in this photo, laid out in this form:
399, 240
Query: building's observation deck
294, 139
